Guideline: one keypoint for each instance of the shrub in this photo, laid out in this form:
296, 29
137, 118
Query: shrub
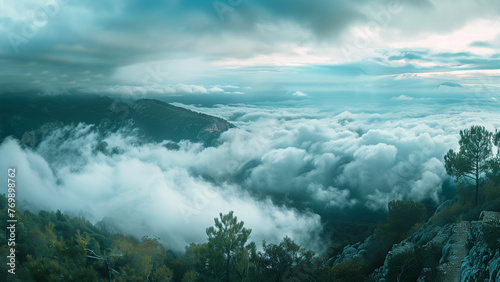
492, 236
413, 229
403, 217
190, 276
405, 266
472, 214
491, 192
493, 206
450, 214
465, 195
348, 271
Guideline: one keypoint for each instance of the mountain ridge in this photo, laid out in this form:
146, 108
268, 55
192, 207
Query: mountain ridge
29, 118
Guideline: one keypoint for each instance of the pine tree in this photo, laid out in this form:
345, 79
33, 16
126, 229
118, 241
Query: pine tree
225, 240
473, 160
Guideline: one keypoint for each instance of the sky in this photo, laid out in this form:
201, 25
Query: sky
339, 107
278, 48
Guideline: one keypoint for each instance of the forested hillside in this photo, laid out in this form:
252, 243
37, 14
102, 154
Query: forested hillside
31, 118
56, 247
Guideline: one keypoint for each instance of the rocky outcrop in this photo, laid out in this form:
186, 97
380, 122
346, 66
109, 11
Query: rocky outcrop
490, 217
427, 242
352, 252
463, 251
482, 262
453, 254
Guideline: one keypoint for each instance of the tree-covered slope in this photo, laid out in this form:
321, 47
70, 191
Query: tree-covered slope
29, 118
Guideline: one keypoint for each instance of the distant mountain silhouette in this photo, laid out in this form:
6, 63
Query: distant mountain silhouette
29, 118
450, 84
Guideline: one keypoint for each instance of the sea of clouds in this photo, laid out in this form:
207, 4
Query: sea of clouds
281, 170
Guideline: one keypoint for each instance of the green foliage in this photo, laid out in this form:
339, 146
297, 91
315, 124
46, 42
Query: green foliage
451, 213
60, 259
491, 192
463, 208
163, 274
406, 213
253, 262
190, 276
285, 260
413, 229
493, 205
405, 266
408, 265
491, 236
378, 249
225, 240
403, 216
276, 259
55, 247
348, 271
135, 260
472, 214
349, 232
465, 195
475, 157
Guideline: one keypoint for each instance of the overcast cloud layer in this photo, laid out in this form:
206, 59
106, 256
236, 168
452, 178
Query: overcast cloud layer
181, 47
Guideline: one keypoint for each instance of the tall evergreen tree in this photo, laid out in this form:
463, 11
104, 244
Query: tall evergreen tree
473, 160
225, 240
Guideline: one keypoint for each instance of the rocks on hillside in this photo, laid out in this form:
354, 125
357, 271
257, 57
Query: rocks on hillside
352, 252
464, 251
426, 241
482, 262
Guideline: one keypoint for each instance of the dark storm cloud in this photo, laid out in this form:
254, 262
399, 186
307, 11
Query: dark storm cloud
83, 39
112, 30
324, 18
87, 43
